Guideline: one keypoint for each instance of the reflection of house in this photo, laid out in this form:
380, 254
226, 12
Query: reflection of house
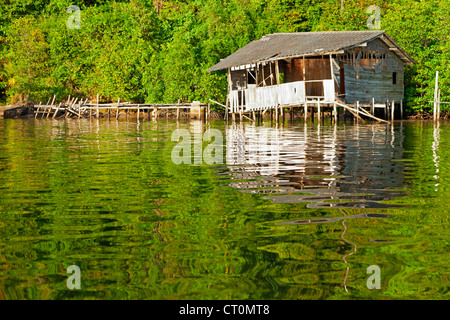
286, 69
325, 164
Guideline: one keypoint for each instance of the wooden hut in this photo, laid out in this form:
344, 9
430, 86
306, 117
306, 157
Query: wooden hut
289, 69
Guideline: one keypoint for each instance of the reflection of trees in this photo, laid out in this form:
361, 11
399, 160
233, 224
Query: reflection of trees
329, 163
109, 198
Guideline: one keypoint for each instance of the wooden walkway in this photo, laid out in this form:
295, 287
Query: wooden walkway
88, 109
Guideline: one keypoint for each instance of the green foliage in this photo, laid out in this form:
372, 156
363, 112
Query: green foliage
160, 51
420, 27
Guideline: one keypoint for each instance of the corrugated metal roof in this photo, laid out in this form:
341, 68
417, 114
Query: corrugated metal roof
285, 45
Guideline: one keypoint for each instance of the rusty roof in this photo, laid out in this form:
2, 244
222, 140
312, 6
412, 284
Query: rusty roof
278, 46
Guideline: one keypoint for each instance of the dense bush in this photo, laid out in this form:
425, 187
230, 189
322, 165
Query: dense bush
160, 51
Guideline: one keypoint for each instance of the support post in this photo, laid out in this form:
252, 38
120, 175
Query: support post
372, 111
439, 105
318, 110
436, 88
306, 111
386, 106
37, 111
401, 109
117, 110
335, 112
392, 109
357, 109
98, 113
57, 109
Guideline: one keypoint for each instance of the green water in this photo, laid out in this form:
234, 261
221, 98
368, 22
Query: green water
107, 197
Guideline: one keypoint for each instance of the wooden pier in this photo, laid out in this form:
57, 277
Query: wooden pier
83, 108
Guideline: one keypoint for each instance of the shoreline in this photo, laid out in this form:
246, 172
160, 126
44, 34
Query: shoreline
415, 116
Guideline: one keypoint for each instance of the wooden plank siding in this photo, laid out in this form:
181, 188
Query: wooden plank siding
362, 83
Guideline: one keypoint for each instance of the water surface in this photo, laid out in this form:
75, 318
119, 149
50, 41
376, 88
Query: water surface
295, 211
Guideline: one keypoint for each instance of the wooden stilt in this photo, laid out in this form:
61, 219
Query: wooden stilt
401, 109
335, 112
386, 113
439, 105
117, 110
372, 107
357, 111
305, 110
98, 113
37, 111
435, 100
57, 109
392, 109
318, 110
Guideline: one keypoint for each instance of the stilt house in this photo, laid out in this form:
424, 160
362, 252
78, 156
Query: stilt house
288, 69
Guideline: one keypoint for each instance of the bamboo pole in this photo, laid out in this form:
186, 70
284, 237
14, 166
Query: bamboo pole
79, 108
98, 112
57, 109
117, 110
352, 110
436, 88
439, 105
37, 111
73, 104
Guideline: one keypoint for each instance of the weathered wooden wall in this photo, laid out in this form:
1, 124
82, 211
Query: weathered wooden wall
362, 84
